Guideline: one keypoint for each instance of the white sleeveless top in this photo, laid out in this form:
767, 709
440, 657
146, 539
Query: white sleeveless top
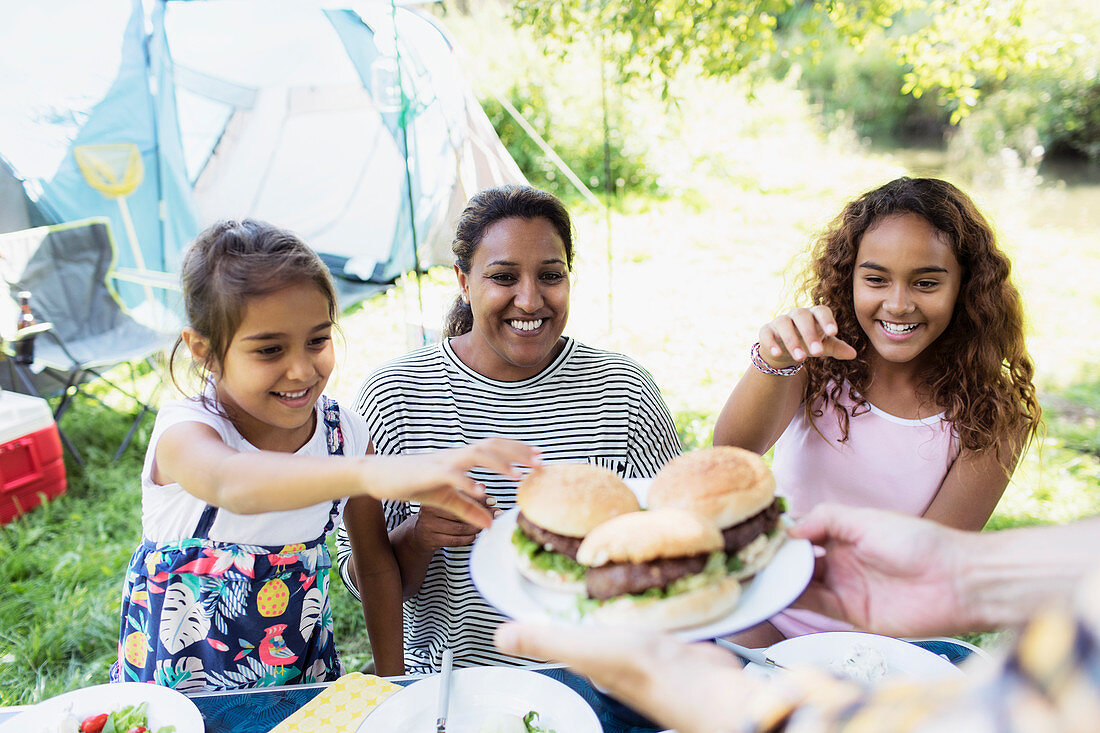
169, 513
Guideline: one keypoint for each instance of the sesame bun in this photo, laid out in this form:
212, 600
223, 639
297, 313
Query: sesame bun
683, 610
724, 483
571, 498
643, 536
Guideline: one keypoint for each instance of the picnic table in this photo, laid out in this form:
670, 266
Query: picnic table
258, 710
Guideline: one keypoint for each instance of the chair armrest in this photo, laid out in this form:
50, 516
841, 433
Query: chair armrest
30, 331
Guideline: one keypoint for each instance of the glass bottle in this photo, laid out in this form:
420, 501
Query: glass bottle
24, 348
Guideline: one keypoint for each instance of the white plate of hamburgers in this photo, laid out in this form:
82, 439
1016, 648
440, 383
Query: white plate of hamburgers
700, 551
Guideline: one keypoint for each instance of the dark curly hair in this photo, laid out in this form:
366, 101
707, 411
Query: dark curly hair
979, 369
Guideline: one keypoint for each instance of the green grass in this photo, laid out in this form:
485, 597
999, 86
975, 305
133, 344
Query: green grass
61, 565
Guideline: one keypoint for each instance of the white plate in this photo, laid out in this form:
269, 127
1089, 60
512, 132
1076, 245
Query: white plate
903, 660
496, 577
478, 694
640, 487
164, 706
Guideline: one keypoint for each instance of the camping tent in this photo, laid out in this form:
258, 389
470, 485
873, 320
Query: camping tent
352, 127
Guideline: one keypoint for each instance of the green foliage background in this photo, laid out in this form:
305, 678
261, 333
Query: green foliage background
1016, 75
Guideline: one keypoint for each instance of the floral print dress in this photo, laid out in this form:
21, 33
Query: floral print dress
204, 615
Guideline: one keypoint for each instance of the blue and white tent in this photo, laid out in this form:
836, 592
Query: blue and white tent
291, 111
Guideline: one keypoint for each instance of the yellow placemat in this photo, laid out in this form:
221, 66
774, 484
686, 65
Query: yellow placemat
340, 707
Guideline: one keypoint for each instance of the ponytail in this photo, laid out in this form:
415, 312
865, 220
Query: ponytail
459, 320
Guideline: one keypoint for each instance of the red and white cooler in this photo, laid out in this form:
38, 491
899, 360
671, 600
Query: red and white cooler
32, 468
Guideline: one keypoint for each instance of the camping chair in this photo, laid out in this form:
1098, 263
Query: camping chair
68, 269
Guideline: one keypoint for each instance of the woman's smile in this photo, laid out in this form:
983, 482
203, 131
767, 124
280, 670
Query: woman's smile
526, 327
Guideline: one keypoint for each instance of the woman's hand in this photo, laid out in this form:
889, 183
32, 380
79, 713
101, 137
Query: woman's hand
903, 576
801, 333
885, 572
690, 687
434, 528
439, 479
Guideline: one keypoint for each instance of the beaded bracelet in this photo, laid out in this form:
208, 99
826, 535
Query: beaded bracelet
763, 366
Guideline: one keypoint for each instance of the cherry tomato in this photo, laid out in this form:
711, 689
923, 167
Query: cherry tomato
138, 729
94, 723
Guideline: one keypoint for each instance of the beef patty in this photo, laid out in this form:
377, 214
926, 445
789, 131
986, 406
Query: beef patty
557, 542
742, 533
616, 579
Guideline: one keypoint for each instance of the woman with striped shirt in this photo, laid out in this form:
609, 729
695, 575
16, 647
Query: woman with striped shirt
503, 370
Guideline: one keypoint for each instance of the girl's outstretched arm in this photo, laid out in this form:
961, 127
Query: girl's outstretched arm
379, 582
193, 455
430, 478
973, 486
762, 405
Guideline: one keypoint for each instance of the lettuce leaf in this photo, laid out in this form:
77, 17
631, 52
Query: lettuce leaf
126, 718
547, 560
531, 723
123, 719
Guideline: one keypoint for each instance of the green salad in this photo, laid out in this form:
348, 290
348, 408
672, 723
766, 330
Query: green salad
531, 722
130, 719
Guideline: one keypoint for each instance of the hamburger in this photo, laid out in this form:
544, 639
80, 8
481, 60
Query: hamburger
657, 569
735, 489
558, 505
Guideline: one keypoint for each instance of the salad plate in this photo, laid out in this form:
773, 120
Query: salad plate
863, 657
164, 707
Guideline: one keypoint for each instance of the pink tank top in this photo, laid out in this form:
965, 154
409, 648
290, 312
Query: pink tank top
888, 462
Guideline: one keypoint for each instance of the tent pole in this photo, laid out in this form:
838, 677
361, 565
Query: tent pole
404, 124
608, 186
562, 166
544, 146
155, 28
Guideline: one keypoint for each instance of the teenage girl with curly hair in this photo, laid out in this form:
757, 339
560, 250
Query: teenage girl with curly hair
906, 385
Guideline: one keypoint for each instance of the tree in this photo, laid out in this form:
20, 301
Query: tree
954, 47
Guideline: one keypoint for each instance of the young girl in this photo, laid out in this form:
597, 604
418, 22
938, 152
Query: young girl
229, 587
906, 385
